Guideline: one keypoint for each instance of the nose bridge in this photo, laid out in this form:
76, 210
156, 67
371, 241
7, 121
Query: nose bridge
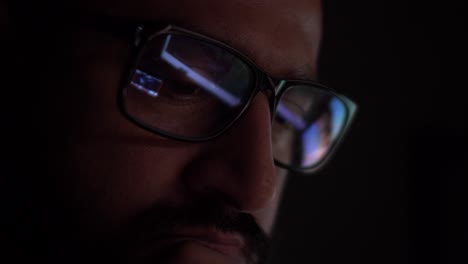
277, 88
272, 88
239, 164
272, 83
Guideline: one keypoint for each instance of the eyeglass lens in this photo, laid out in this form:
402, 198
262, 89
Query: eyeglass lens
307, 124
187, 87
191, 88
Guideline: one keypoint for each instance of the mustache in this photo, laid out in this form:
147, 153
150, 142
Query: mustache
161, 220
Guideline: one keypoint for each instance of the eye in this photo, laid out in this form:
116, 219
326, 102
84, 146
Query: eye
183, 89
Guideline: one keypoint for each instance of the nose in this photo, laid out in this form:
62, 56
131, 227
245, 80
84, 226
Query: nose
238, 166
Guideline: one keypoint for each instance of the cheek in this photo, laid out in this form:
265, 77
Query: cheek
108, 183
105, 169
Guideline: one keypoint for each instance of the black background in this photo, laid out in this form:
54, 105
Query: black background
394, 193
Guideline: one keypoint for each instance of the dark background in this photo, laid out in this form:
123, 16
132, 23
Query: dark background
395, 191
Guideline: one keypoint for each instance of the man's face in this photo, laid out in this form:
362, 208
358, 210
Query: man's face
165, 200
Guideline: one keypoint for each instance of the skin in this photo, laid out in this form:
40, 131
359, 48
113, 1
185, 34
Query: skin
115, 171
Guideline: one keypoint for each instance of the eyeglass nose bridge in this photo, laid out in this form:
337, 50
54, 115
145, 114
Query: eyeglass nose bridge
274, 88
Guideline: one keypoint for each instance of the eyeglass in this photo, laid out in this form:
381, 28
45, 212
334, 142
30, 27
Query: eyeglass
189, 87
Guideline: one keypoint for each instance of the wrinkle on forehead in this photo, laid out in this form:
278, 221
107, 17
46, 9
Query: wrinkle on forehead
281, 36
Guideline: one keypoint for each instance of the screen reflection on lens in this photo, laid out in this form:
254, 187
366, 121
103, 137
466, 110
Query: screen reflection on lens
308, 122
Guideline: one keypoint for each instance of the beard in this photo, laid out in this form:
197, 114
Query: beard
150, 227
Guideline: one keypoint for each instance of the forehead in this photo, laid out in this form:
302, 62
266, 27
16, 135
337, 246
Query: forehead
281, 36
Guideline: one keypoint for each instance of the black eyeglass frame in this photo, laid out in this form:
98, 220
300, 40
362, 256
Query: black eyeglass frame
139, 34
